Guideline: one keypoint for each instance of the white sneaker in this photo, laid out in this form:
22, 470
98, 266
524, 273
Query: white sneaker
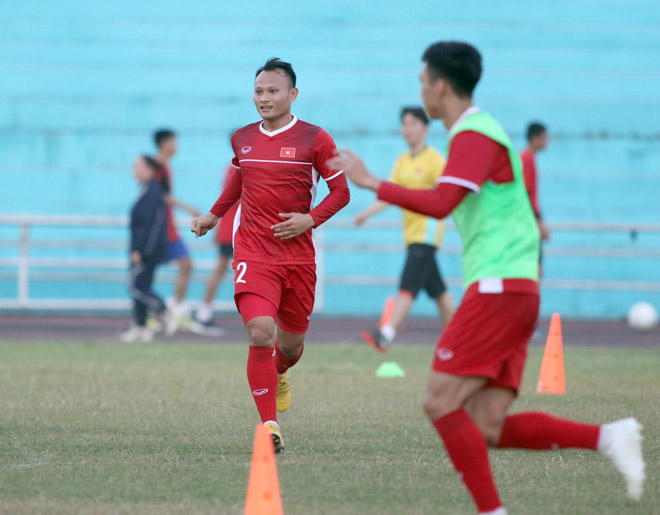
621, 441
173, 318
137, 334
155, 323
204, 314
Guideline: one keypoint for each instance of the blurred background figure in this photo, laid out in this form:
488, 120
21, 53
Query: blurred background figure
418, 168
71, 128
166, 143
223, 238
148, 249
537, 140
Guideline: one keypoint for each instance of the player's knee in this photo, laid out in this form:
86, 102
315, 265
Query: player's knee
436, 405
261, 337
492, 430
489, 422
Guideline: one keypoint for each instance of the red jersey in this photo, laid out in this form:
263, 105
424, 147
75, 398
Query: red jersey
529, 172
473, 159
164, 177
278, 172
225, 229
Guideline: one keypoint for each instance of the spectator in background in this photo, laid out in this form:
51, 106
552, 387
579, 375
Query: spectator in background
224, 237
418, 168
166, 142
537, 140
148, 249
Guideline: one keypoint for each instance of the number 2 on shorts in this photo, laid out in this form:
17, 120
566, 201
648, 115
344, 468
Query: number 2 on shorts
241, 268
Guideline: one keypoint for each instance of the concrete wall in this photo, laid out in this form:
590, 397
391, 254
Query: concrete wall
83, 84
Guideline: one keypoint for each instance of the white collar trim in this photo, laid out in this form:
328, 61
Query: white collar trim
280, 130
467, 113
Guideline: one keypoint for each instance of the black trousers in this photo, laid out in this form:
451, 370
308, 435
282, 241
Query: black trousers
144, 298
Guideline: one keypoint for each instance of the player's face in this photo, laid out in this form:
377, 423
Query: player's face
540, 141
273, 95
432, 94
141, 170
413, 130
168, 147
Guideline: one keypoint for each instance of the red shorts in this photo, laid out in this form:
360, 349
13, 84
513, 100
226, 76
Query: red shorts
289, 290
488, 334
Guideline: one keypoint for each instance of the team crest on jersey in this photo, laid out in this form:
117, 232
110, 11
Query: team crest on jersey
444, 354
246, 149
288, 152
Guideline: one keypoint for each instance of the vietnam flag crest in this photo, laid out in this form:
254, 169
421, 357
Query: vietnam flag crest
288, 152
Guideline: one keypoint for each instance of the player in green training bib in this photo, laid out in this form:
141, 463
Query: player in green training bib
481, 354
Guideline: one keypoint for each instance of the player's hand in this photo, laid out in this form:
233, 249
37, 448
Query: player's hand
360, 219
136, 257
203, 224
295, 225
545, 232
354, 168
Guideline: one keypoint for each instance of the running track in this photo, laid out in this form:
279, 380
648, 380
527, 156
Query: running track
417, 331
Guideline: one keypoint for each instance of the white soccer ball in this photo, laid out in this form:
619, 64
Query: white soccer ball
642, 316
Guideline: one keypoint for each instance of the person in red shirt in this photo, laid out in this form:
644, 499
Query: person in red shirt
278, 162
537, 140
223, 236
480, 356
166, 142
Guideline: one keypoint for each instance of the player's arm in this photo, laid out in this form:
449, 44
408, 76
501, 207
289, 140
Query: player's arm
138, 236
338, 196
465, 171
375, 208
229, 196
146, 221
174, 202
379, 205
171, 200
529, 174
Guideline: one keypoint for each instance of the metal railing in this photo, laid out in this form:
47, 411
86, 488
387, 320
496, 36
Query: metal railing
70, 269
632, 231
28, 268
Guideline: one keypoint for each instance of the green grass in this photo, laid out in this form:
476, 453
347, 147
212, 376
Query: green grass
168, 428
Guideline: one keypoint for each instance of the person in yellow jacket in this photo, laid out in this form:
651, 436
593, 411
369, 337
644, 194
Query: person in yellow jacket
419, 168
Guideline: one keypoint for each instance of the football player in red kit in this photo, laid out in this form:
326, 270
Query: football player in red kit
278, 163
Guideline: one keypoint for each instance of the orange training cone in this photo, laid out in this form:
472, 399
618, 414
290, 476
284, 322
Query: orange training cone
386, 315
263, 492
551, 378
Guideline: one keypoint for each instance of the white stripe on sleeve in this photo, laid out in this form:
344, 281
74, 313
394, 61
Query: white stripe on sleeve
460, 182
334, 176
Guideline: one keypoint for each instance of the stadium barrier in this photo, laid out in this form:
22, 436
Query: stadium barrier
22, 260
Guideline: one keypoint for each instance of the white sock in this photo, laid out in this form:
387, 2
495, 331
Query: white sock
498, 511
388, 332
272, 422
179, 308
204, 312
605, 438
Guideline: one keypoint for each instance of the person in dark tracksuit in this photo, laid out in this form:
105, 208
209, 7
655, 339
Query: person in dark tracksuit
148, 249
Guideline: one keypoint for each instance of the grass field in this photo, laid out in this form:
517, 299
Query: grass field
168, 428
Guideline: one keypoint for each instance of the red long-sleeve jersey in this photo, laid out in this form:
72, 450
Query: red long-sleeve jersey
278, 172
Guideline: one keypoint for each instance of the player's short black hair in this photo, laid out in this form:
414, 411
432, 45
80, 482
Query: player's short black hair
535, 129
275, 63
151, 162
162, 135
417, 112
456, 62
